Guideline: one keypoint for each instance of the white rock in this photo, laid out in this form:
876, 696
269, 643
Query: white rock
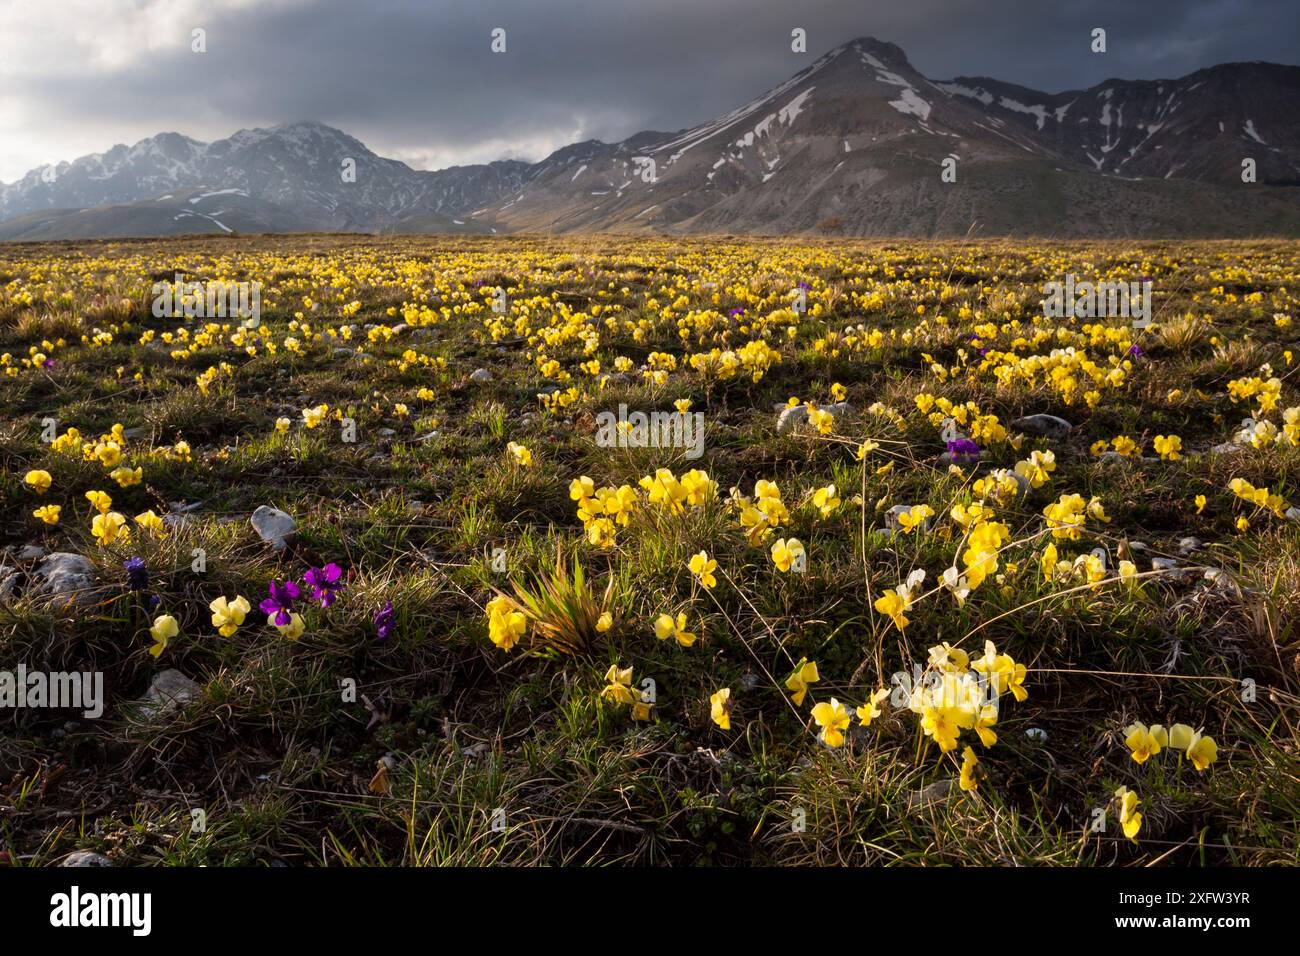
273, 526
791, 418
168, 689
1048, 425
67, 575
86, 858
480, 375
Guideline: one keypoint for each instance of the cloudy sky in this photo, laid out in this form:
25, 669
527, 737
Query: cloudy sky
416, 79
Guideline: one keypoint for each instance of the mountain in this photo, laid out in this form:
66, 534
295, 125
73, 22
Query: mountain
290, 178
854, 144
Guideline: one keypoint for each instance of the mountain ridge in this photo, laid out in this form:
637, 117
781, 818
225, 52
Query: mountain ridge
858, 143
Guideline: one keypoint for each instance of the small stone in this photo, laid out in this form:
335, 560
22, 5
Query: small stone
792, 417
936, 793
480, 375
67, 575
341, 351
1189, 545
168, 689
1227, 448
428, 436
1170, 567
1047, 425
1037, 734
273, 526
137, 432
86, 858
31, 552
9, 578
386, 433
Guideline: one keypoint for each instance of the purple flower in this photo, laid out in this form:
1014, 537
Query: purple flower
280, 601
1135, 350
137, 575
735, 312
804, 285
963, 448
324, 582
384, 622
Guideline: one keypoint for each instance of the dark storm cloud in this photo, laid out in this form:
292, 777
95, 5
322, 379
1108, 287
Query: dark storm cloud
417, 80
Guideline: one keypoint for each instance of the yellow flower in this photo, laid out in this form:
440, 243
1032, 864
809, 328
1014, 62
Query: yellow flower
163, 630
1180, 736
805, 673
915, 517
107, 528
227, 615
1169, 447
39, 481
522, 455
1202, 751
505, 625
605, 622
126, 477
109, 454
618, 685
826, 500
871, 709
1130, 820
293, 630
833, 719
897, 600
866, 448
151, 522
1200, 503
1141, 742
282, 425
970, 770
1125, 446
943, 724
720, 708
48, 513
786, 553
666, 627
101, 501
702, 566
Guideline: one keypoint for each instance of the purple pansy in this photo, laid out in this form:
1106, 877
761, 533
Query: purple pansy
280, 601
963, 449
324, 582
384, 621
137, 575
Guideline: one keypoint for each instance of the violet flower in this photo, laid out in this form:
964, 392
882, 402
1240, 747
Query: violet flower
280, 601
963, 449
137, 575
384, 621
324, 583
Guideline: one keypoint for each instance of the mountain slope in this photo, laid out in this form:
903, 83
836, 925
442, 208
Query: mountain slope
855, 144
